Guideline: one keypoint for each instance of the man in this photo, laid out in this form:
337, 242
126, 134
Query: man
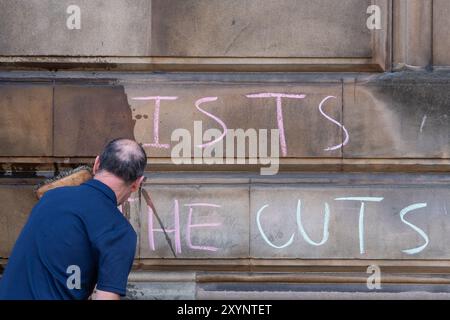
76, 238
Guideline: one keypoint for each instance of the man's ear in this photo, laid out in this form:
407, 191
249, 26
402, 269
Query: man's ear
137, 184
96, 165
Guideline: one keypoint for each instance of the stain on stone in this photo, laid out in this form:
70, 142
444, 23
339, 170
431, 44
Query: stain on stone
133, 292
19, 171
23, 171
388, 117
26, 119
17, 202
126, 210
88, 116
412, 102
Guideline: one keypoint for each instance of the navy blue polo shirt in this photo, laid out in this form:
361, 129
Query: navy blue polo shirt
75, 238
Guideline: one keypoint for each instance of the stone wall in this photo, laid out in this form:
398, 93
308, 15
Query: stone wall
362, 116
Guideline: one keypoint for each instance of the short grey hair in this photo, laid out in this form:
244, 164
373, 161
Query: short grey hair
124, 158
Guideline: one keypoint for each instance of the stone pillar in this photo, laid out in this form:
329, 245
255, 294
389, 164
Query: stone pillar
441, 40
413, 34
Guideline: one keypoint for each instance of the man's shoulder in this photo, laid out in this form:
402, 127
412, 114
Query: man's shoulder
118, 223
60, 199
120, 232
126, 226
80, 195
65, 192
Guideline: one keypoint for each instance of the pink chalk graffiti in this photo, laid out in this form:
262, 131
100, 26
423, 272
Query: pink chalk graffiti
203, 205
157, 100
347, 137
176, 229
218, 120
129, 200
280, 120
202, 225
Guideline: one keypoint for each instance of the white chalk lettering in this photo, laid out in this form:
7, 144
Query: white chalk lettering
258, 221
325, 225
361, 216
403, 212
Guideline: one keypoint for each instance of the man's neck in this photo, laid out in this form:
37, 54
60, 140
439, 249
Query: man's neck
114, 183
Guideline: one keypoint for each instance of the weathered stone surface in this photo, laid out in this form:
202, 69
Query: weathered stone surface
403, 218
161, 291
26, 120
260, 28
223, 212
87, 117
224, 222
187, 28
17, 202
441, 43
130, 209
381, 235
324, 292
308, 133
108, 28
412, 34
404, 115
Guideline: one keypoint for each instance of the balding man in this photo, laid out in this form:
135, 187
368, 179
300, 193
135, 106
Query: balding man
76, 239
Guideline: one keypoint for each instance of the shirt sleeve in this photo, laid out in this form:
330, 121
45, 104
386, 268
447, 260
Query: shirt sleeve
116, 254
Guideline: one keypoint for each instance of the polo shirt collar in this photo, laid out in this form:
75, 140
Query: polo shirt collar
97, 184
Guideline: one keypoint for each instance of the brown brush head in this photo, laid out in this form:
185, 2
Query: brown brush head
73, 177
